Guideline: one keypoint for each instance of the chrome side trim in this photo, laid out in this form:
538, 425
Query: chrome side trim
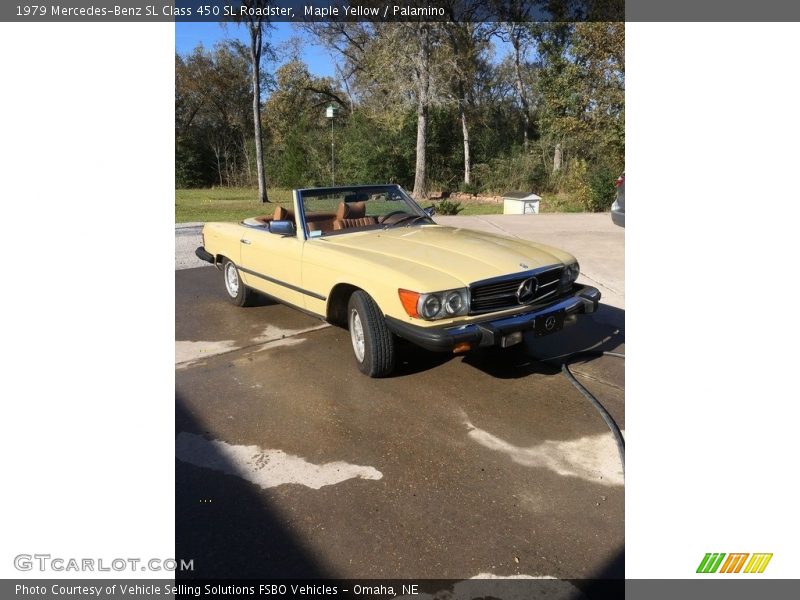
283, 283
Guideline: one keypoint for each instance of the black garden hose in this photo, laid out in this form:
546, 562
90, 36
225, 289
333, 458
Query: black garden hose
612, 425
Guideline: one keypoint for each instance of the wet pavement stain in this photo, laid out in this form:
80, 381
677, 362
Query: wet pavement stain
592, 458
266, 468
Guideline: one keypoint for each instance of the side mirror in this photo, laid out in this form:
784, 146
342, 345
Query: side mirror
282, 227
430, 211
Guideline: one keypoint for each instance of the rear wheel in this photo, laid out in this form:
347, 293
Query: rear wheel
238, 293
373, 343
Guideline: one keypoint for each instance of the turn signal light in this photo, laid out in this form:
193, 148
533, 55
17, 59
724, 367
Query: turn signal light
462, 347
409, 300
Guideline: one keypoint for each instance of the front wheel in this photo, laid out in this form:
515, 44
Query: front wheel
238, 293
373, 343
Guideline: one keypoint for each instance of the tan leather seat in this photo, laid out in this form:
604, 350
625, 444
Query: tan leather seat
320, 221
352, 214
351, 210
348, 223
281, 214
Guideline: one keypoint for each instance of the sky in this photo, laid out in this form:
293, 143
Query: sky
189, 35
320, 61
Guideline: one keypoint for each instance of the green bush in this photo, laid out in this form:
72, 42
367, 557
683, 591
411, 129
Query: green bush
468, 188
574, 181
601, 188
523, 172
445, 207
190, 165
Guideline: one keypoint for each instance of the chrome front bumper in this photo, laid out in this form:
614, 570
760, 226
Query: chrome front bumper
493, 332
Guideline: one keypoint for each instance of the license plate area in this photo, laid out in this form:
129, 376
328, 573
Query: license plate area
547, 324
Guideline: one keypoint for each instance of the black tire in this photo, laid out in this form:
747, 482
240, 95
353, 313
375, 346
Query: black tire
235, 289
379, 352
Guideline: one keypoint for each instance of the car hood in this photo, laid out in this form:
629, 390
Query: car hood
464, 254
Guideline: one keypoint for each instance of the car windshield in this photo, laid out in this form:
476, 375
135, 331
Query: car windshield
333, 211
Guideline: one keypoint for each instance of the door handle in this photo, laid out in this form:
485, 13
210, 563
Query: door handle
244, 241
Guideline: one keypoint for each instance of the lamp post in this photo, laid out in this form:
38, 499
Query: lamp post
330, 113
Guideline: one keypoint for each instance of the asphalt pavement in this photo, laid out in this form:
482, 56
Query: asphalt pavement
290, 463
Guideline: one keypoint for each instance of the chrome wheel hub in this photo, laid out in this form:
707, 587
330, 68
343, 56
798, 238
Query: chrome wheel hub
357, 335
231, 280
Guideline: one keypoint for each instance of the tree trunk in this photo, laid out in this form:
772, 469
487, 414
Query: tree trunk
246, 153
420, 188
465, 133
346, 84
423, 88
557, 158
521, 91
215, 149
255, 56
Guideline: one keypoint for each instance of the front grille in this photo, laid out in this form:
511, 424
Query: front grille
500, 293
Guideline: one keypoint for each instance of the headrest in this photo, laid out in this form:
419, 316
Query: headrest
356, 197
280, 214
356, 210
351, 210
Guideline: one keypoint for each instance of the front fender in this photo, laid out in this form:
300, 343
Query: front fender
325, 267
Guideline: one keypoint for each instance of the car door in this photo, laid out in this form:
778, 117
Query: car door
270, 263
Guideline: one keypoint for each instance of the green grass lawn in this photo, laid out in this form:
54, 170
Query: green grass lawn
235, 204
226, 204
551, 203
477, 208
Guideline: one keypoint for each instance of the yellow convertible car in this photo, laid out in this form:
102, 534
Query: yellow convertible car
371, 259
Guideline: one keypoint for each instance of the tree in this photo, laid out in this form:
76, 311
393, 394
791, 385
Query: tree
422, 81
582, 87
468, 43
256, 23
599, 50
422, 104
381, 60
211, 115
514, 30
559, 88
297, 117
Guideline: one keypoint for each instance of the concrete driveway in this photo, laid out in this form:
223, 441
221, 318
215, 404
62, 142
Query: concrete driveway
290, 463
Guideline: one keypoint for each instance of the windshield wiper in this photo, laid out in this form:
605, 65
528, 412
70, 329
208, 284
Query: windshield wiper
414, 218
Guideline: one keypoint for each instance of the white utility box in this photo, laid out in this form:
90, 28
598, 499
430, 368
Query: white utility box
521, 203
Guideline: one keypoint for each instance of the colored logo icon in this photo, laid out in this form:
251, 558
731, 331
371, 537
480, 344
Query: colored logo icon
734, 563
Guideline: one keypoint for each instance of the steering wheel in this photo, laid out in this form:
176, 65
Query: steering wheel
383, 218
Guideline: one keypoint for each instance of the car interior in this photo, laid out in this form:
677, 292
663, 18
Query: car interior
336, 213
350, 213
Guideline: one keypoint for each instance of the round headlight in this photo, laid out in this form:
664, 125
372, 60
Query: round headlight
431, 306
574, 271
569, 275
454, 303
564, 281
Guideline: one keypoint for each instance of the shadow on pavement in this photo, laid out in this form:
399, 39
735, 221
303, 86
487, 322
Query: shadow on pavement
412, 359
227, 527
601, 332
609, 582
604, 331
